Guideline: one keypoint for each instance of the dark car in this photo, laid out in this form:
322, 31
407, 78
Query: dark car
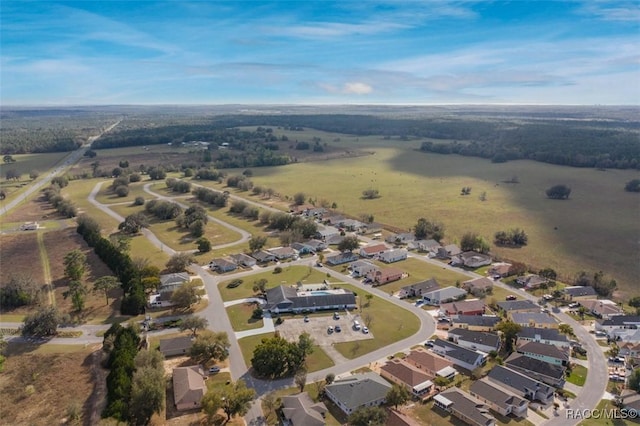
338, 329
214, 370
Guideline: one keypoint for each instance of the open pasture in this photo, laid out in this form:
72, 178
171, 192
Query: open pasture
596, 229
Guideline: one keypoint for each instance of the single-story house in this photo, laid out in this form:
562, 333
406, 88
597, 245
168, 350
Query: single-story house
341, 258
222, 265
315, 211
188, 387
579, 292
404, 374
462, 357
333, 219
444, 295
301, 410
302, 248
417, 289
510, 306
317, 245
537, 369
289, 299
475, 322
547, 353
350, 225
471, 259
629, 349
630, 401
373, 250
478, 286
263, 256
161, 300
325, 233
618, 323
399, 418
499, 399
427, 246
334, 240
242, 259
462, 307
476, 340
402, 238
283, 253
176, 346
170, 282
386, 275
534, 319
521, 384
358, 390
433, 365
362, 268
391, 256
465, 407
549, 336
603, 308
371, 228
531, 281
448, 251
499, 269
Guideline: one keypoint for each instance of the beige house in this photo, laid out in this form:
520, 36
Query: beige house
300, 410
188, 387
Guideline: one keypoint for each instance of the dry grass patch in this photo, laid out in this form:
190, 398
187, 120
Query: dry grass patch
19, 255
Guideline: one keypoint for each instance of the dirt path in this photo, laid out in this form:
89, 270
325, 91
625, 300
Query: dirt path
97, 400
46, 269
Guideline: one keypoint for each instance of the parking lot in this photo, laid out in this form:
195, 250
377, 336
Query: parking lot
317, 327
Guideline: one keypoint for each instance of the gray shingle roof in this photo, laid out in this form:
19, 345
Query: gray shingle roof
492, 392
516, 380
622, 320
479, 337
477, 320
544, 350
359, 389
458, 352
469, 406
517, 305
577, 291
534, 367
423, 286
284, 296
536, 317
543, 333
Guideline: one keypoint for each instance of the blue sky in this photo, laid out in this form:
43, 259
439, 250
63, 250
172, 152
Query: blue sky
319, 52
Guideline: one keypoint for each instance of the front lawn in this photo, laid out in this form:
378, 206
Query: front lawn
240, 317
578, 375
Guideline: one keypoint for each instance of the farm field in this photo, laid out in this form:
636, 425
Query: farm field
24, 165
19, 255
413, 184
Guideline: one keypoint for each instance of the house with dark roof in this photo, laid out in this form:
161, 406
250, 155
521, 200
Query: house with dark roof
402, 238
534, 319
392, 256
358, 390
188, 387
222, 265
531, 281
630, 401
478, 286
578, 292
176, 346
537, 369
547, 353
431, 364
499, 399
263, 256
462, 307
386, 275
362, 268
617, 324
170, 282
302, 248
289, 299
341, 258
602, 308
475, 322
471, 259
317, 245
476, 340
417, 289
404, 374
373, 250
444, 295
244, 260
301, 410
521, 385
465, 407
549, 336
448, 251
462, 357
518, 306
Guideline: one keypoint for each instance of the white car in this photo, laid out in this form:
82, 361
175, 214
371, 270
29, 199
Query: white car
365, 330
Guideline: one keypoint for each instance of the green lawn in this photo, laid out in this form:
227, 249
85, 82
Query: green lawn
578, 375
389, 324
604, 406
107, 196
240, 317
420, 271
289, 275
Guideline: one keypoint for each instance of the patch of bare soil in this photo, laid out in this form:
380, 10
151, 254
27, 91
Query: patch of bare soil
19, 254
34, 210
39, 389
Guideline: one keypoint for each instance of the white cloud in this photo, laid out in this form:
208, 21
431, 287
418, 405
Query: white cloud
357, 88
627, 12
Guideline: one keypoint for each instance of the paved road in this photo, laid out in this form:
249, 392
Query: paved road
71, 159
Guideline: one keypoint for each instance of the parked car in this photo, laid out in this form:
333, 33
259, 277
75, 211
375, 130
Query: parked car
420, 302
511, 297
336, 316
330, 330
574, 305
306, 318
319, 265
365, 330
338, 329
429, 343
214, 369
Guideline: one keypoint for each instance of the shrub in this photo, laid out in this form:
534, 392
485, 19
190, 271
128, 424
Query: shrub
139, 201
235, 283
122, 191
135, 177
277, 270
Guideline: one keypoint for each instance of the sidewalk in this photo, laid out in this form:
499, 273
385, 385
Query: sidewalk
268, 327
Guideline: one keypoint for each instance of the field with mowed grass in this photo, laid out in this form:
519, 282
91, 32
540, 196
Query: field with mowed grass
414, 184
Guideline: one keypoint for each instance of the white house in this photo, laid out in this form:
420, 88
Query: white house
443, 295
391, 256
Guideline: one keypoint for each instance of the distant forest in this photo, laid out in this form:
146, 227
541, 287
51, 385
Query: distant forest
551, 137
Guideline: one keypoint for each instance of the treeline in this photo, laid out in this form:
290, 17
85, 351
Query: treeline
209, 196
54, 197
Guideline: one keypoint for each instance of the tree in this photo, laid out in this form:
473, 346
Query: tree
21, 290
397, 395
548, 273
473, 242
121, 241
299, 198
509, 331
370, 194
139, 201
8, 159
349, 243
105, 284
566, 329
179, 262
256, 243
188, 294
204, 245
13, 174
635, 302
632, 186
75, 265
305, 343
234, 399
122, 191
90, 153
634, 380
368, 416
134, 223
77, 290
275, 357
210, 345
517, 268
147, 394
558, 192
44, 322
426, 229
193, 323
271, 403
260, 286
60, 181
329, 378
300, 379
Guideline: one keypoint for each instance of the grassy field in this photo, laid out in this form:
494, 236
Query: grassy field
578, 375
561, 233
289, 276
240, 317
25, 164
606, 406
107, 196
385, 331
420, 271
